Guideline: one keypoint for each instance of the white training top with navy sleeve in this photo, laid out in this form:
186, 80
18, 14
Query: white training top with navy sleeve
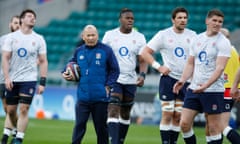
205, 51
174, 49
25, 49
126, 48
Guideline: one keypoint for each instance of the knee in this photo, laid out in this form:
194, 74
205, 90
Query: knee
126, 109
167, 110
11, 111
214, 128
167, 116
24, 109
185, 126
113, 110
176, 118
125, 115
114, 106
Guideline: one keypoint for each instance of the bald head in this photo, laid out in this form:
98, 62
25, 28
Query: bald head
225, 32
90, 35
89, 27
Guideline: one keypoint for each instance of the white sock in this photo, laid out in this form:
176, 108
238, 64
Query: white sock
226, 130
20, 135
7, 131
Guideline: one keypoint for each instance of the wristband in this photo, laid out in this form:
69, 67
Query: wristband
142, 74
156, 65
43, 81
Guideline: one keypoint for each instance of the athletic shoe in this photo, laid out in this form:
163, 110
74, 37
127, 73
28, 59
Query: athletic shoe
15, 141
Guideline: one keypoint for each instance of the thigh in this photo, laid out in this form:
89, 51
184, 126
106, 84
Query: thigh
192, 101
26, 92
166, 89
128, 100
215, 123
2, 90
129, 92
225, 118
27, 88
12, 97
212, 102
82, 111
228, 104
117, 91
99, 113
188, 115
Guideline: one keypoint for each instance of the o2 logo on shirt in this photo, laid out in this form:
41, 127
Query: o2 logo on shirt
123, 51
179, 52
203, 57
22, 52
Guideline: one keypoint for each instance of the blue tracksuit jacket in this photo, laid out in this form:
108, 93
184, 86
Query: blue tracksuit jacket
99, 68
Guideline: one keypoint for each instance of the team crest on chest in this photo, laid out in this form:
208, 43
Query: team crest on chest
170, 40
134, 41
81, 57
98, 56
214, 44
198, 44
33, 43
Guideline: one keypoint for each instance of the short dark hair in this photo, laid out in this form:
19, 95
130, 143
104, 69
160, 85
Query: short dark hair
215, 12
23, 13
124, 10
177, 10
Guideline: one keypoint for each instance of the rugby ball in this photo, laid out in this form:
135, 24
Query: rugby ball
73, 70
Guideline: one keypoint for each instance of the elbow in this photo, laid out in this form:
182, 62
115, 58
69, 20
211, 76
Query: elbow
221, 69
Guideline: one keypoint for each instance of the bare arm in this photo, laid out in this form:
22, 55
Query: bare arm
220, 66
6, 56
187, 74
143, 67
147, 56
188, 69
43, 64
234, 90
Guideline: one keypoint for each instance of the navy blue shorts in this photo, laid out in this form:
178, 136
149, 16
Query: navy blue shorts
2, 91
13, 97
166, 89
127, 90
208, 102
228, 104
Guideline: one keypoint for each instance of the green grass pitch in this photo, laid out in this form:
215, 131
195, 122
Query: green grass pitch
60, 132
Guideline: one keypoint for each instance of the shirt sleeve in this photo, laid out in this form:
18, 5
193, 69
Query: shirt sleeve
224, 47
42, 46
6, 43
156, 42
142, 44
105, 39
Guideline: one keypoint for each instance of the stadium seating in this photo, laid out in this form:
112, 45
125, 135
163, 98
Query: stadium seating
150, 16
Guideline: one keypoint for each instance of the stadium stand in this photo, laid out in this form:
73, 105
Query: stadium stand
150, 16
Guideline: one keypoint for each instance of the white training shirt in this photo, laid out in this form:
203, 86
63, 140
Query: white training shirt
174, 49
126, 48
205, 51
2, 38
25, 49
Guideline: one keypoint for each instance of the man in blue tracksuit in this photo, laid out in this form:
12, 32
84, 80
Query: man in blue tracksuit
99, 71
